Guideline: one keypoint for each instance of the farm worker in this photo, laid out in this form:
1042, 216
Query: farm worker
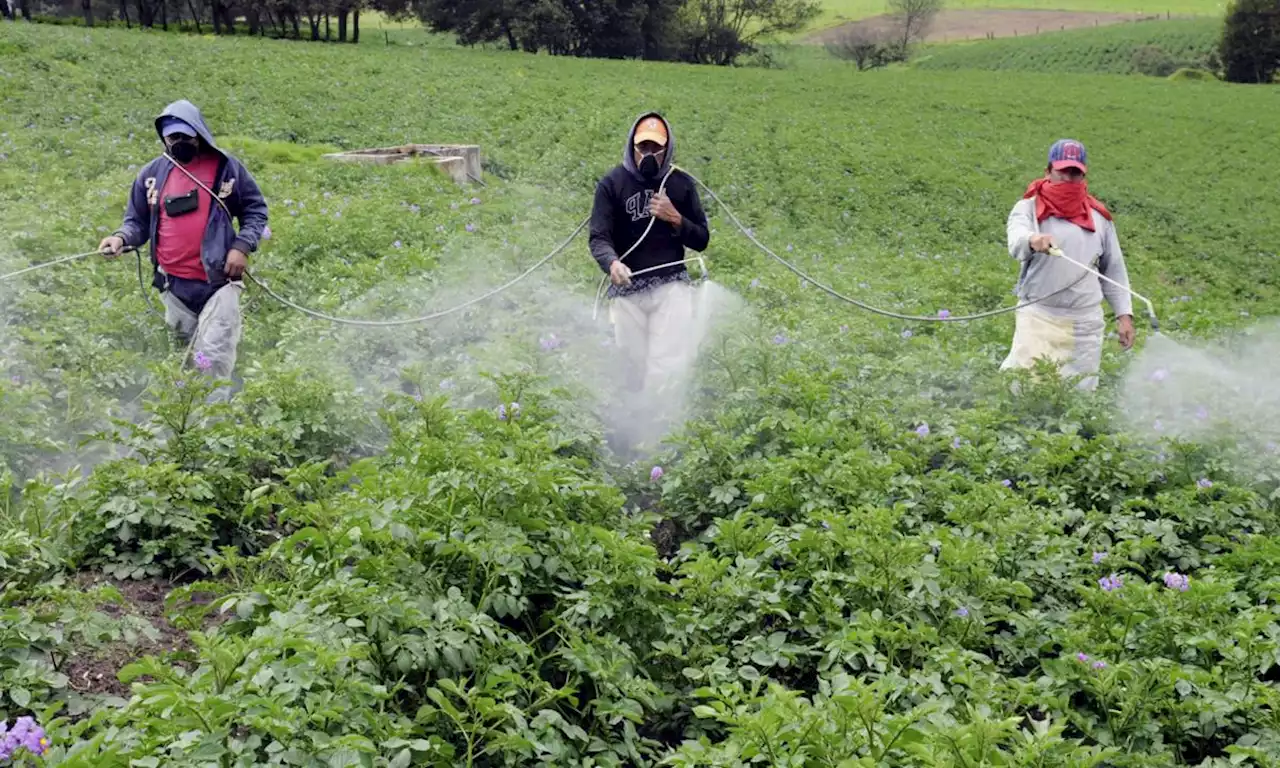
1057, 212
183, 203
652, 313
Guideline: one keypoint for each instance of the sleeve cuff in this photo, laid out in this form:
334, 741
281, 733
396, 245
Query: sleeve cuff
242, 246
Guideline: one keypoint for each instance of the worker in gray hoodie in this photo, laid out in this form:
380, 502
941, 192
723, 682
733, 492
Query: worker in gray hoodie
1057, 214
183, 203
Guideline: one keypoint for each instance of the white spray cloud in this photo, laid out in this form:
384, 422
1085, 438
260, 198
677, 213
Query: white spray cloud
1207, 391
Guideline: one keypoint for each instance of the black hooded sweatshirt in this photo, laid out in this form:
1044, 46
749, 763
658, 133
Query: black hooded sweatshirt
620, 214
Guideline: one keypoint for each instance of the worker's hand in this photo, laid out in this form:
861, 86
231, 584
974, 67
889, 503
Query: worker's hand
620, 274
662, 208
237, 262
111, 246
1124, 329
1041, 243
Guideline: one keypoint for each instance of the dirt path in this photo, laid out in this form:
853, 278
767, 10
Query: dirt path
951, 26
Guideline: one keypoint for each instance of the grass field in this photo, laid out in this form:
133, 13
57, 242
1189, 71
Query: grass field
837, 11
863, 548
1111, 50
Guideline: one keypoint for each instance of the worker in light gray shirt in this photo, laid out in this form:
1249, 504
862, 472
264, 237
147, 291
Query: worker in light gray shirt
1058, 215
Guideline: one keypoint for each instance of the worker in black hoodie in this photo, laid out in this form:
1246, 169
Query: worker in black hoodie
652, 314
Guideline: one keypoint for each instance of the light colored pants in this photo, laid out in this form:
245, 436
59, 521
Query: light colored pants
214, 334
655, 331
1070, 338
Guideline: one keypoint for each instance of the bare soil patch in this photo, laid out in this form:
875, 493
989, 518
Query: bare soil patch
95, 670
956, 25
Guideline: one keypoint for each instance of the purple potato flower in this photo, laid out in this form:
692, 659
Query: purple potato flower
471, 227
1082, 657
780, 339
202, 361
1205, 482
907, 334
26, 734
502, 412
962, 612
1111, 583
944, 314
655, 474
1177, 581
1098, 557
1099, 665
923, 430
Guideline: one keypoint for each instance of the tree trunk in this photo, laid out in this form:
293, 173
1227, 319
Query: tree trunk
328, 37
314, 22
511, 37
297, 33
251, 16
124, 13
25, 7
87, 5
6, 9
216, 14
355, 26
164, 15
342, 25
195, 16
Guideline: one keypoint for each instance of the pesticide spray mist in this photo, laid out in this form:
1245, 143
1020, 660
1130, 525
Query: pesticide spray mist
1207, 392
542, 326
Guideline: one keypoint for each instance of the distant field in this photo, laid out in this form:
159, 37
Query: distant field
956, 25
836, 12
1183, 43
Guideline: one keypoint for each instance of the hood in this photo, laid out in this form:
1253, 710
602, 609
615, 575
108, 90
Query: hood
628, 155
190, 114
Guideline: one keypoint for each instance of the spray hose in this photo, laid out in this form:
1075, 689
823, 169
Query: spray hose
600, 290
54, 263
1151, 310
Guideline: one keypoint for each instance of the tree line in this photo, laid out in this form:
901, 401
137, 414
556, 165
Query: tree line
331, 20
694, 31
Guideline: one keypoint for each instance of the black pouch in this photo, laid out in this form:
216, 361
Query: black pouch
177, 205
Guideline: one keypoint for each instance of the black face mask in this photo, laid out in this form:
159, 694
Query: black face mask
649, 166
184, 151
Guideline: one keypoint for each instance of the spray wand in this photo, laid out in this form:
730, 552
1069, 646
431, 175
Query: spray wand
1151, 310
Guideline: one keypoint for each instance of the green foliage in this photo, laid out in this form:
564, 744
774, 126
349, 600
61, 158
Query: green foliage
365, 565
698, 31
1186, 74
1251, 42
1155, 48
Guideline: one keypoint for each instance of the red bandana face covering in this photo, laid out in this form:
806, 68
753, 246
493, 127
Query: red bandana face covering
1066, 200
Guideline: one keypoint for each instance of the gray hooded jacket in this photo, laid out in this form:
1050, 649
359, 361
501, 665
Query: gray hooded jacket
233, 185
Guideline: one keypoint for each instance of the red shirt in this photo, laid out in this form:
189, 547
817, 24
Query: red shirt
178, 239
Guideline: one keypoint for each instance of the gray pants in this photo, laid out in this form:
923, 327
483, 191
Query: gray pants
212, 336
